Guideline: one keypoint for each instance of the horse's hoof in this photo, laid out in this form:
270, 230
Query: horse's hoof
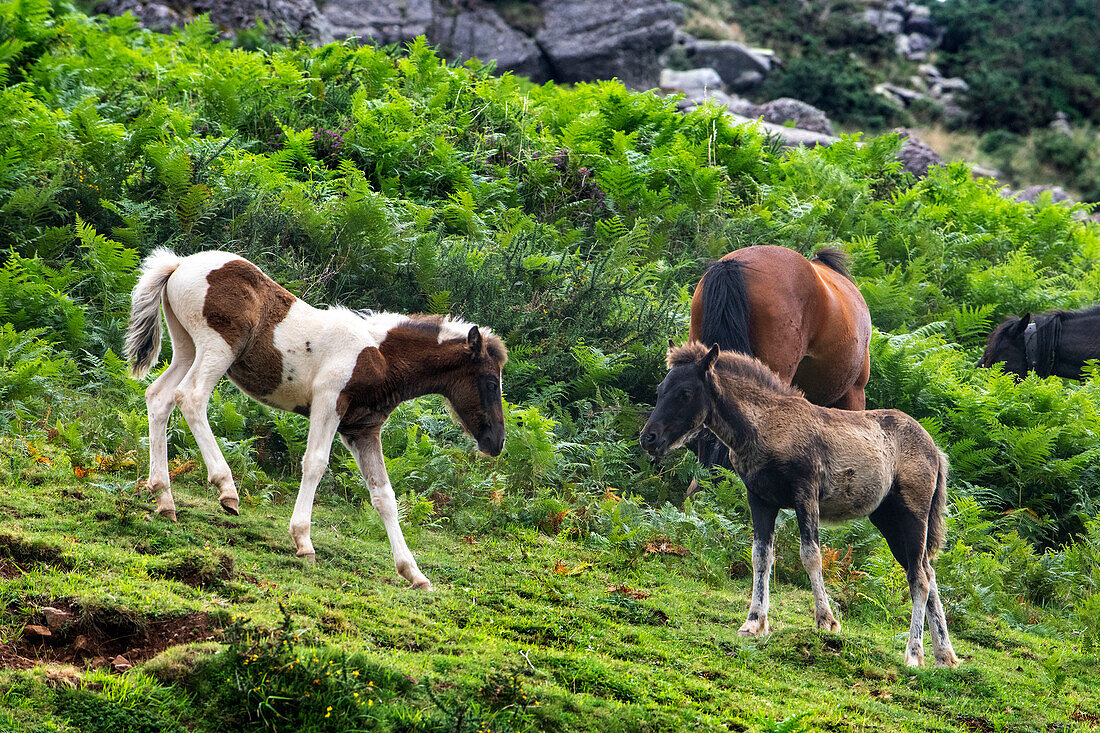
231, 506
953, 661
829, 624
169, 514
912, 660
752, 628
309, 557
422, 584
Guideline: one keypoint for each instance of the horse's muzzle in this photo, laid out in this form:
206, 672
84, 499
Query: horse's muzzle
491, 442
652, 443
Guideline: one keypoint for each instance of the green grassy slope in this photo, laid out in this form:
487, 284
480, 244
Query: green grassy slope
514, 615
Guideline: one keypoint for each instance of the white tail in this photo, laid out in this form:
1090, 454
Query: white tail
144, 334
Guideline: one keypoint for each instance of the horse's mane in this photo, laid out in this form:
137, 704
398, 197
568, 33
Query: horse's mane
448, 327
835, 259
738, 365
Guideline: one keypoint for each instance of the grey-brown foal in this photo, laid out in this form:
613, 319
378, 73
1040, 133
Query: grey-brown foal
826, 464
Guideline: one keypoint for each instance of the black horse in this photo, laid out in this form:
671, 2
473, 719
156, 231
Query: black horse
1056, 343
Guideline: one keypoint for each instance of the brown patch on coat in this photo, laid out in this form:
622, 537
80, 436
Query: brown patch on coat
244, 305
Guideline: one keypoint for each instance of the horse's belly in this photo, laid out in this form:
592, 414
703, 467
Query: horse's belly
852, 494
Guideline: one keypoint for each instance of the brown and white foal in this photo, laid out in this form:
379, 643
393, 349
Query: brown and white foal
344, 370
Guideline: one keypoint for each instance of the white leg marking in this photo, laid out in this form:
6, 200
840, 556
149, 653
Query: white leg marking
762, 558
323, 422
212, 359
159, 402
368, 455
919, 589
823, 615
937, 624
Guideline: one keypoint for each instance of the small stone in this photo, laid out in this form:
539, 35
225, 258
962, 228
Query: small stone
56, 617
121, 663
35, 630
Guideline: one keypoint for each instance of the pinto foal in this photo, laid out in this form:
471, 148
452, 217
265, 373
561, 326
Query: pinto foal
344, 370
825, 464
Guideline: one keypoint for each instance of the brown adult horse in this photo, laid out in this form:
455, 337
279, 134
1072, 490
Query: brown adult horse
805, 319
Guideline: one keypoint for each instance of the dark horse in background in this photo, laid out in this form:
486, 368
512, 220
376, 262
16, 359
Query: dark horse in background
805, 319
1056, 343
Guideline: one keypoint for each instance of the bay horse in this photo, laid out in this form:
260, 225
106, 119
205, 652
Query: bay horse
1057, 343
345, 370
827, 465
805, 319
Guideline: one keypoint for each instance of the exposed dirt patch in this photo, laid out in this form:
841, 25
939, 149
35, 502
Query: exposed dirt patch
9, 570
100, 637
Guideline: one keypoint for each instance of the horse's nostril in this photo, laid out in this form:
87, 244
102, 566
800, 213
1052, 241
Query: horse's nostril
649, 439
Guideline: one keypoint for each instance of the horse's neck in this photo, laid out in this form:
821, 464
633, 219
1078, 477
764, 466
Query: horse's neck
1079, 341
737, 423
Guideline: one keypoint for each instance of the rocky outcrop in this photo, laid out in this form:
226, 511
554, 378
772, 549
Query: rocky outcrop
690, 80
804, 116
565, 40
585, 40
379, 21
915, 35
915, 156
481, 33
282, 18
740, 67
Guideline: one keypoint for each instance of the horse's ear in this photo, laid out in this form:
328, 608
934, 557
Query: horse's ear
475, 342
1024, 320
671, 344
711, 356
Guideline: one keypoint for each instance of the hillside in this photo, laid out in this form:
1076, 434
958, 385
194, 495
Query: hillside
575, 221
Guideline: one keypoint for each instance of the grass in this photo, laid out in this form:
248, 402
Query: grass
523, 631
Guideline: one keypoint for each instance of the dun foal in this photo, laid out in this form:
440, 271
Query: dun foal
829, 465
344, 370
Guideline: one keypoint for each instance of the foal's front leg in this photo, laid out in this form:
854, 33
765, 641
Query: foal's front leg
810, 549
763, 532
323, 421
367, 449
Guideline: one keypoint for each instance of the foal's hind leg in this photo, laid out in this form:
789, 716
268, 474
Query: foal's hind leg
160, 402
212, 359
906, 534
763, 532
810, 550
937, 622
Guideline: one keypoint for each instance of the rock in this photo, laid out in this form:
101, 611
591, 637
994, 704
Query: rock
739, 66
899, 95
913, 46
929, 71
1031, 194
733, 103
978, 171
56, 618
954, 84
1060, 123
887, 22
32, 631
685, 81
379, 21
600, 39
804, 116
82, 644
282, 18
481, 33
121, 663
915, 156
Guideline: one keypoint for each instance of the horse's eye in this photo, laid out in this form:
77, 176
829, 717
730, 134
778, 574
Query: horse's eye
685, 394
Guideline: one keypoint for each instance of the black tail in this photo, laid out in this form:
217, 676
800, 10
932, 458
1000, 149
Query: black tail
835, 259
726, 323
726, 308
